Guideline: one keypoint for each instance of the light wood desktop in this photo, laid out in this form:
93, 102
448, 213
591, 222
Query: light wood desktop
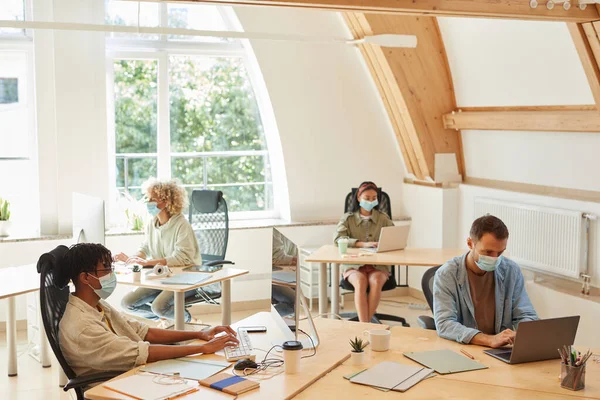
224, 276
329, 254
332, 351
15, 281
537, 380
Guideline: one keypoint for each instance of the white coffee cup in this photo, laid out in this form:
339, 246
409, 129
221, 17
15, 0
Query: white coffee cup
292, 353
379, 339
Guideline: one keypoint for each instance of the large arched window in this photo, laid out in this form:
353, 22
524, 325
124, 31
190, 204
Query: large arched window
184, 107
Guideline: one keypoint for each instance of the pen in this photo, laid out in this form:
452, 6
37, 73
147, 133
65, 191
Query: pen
467, 354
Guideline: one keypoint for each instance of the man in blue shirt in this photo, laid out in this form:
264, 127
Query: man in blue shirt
480, 298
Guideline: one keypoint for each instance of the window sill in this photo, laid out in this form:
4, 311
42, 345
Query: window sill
252, 224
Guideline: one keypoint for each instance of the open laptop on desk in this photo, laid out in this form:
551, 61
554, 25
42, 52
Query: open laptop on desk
391, 238
538, 340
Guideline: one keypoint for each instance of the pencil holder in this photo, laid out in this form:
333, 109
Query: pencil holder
572, 378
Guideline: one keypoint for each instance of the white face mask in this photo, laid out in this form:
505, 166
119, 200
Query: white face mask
487, 263
108, 283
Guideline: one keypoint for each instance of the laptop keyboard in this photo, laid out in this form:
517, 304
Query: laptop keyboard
243, 350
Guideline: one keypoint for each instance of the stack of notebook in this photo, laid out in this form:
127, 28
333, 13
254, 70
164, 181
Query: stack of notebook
392, 376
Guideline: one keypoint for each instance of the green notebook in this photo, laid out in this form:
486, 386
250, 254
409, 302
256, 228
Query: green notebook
445, 361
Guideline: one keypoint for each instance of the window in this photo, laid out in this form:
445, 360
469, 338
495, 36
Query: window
18, 154
12, 10
186, 111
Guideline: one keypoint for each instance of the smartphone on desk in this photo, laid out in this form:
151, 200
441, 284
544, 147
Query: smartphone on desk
254, 329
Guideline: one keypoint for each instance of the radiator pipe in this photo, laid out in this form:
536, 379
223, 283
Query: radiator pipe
585, 289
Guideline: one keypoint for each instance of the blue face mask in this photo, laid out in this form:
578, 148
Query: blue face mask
153, 208
108, 284
368, 205
487, 263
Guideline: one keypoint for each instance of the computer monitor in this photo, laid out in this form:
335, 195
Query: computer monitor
287, 301
88, 219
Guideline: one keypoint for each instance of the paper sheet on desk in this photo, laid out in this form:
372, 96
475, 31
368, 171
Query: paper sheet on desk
392, 376
144, 386
188, 368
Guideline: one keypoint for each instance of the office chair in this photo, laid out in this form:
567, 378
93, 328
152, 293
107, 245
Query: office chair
384, 206
209, 218
425, 321
53, 301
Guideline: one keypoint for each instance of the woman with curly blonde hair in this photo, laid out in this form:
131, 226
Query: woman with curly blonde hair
169, 240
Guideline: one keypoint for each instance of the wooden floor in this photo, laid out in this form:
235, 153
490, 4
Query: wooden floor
37, 383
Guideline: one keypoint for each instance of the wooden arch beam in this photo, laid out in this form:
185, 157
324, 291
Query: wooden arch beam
415, 85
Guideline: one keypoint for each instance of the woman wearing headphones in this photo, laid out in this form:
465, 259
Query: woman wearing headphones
362, 227
169, 240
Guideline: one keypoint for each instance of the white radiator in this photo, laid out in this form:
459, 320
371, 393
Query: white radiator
543, 238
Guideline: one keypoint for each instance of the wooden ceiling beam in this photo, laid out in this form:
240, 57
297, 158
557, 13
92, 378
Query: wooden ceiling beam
586, 42
510, 9
551, 119
416, 88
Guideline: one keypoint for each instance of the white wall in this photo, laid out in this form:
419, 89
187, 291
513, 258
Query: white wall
333, 128
497, 62
71, 106
434, 222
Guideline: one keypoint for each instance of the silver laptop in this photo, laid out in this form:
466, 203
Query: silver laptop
391, 238
538, 340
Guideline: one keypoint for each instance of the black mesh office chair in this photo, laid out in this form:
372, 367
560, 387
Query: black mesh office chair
384, 206
426, 321
53, 301
210, 220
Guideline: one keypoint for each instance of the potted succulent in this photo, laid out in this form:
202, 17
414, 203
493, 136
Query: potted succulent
357, 355
4, 217
137, 272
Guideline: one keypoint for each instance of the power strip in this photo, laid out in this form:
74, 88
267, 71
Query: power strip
418, 306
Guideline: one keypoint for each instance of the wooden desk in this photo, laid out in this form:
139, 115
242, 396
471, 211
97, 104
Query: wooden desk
537, 380
334, 349
15, 281
224, 276
329, 254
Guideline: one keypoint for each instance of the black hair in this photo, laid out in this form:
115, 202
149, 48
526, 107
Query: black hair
488, 224
82, 257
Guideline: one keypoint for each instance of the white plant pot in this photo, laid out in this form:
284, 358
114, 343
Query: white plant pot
5, 227
137, 276
357, 358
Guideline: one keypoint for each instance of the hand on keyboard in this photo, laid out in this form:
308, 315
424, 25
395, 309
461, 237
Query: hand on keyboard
219, 343
242, 350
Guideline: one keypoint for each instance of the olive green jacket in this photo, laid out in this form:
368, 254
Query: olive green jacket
351, 225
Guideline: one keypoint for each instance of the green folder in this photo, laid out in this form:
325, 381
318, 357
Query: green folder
445, 361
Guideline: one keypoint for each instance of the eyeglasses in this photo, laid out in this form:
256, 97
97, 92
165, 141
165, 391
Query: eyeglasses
109, 269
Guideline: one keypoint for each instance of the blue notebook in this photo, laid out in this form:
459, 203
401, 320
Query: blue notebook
186, 278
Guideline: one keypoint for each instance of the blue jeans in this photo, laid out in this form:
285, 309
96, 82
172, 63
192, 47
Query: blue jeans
154, 303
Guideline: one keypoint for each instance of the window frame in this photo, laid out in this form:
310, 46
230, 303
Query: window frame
24, 44
160, 50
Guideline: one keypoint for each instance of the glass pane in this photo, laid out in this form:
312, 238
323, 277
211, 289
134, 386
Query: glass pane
213, 107
120, 172
135, 105
138, 171
246, 198
13, 10
126, 13
246, 169
188, 170
199, 17
16, 121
